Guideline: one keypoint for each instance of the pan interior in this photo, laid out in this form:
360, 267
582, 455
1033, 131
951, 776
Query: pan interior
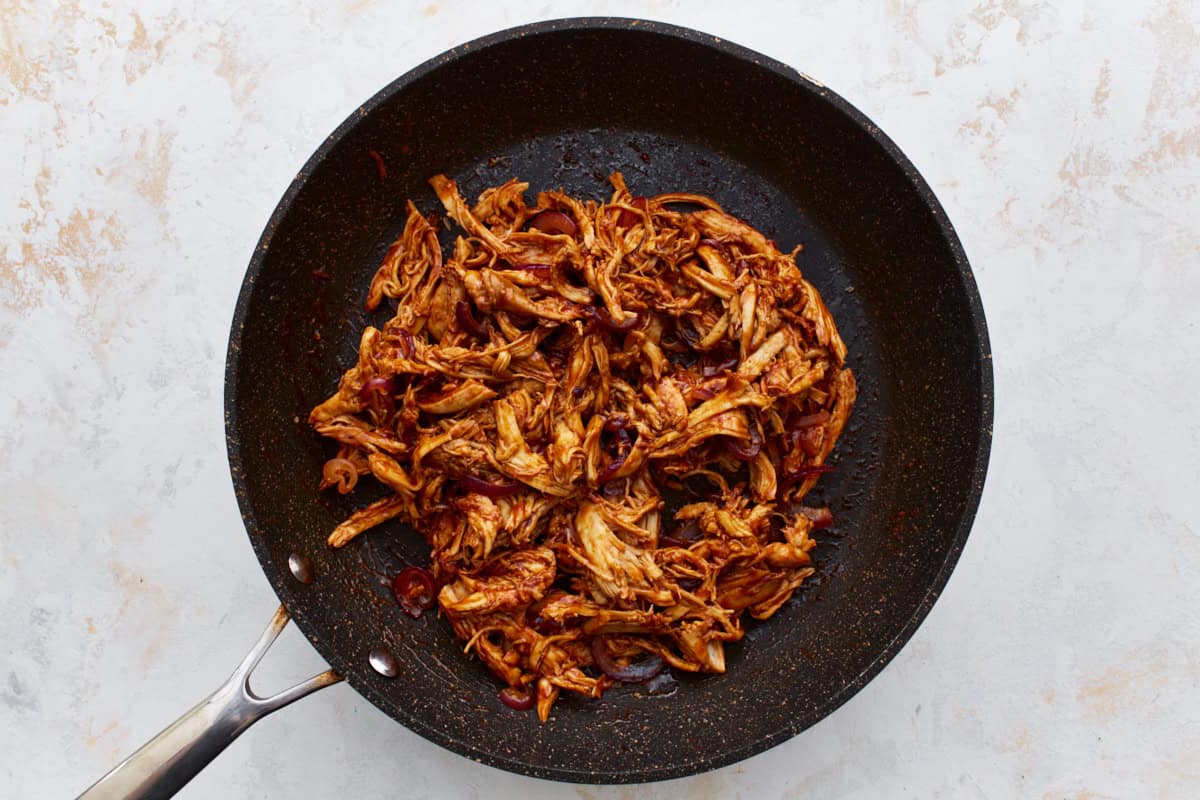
561, 105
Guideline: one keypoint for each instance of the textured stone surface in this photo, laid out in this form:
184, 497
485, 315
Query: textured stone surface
145, 150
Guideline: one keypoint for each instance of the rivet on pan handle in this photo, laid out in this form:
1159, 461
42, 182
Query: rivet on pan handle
168, 761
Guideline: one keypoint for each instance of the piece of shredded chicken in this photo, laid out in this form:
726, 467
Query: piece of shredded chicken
544, 387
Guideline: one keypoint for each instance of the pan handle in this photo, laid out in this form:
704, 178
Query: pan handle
168, 761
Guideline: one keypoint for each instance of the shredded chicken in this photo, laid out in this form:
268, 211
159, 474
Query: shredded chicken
541, 391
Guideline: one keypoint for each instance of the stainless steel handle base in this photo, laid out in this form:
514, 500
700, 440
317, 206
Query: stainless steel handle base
168, 761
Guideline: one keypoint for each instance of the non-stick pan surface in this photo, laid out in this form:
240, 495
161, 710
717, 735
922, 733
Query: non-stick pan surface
563, 104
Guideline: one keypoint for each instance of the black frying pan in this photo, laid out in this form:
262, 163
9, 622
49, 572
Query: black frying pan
562, 104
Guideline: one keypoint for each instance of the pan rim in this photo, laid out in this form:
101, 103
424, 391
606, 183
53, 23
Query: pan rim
979, 337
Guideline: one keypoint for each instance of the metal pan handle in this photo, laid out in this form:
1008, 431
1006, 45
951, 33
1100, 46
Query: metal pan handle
168, 761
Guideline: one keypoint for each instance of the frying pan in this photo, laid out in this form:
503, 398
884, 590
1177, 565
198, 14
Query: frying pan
563, 104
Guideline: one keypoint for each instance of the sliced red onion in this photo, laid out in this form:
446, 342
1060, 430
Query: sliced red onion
406, 341
792, 477
809, 440
553, 222
685, 534
718, 246
467, 321
669, 340
616, 423
637, 672
609, 471
542, 624
746, 451
809, 470
601, 317
487, 488
712, 370
811, 420
376, 386
821, 518
627, 218
414, 590
613, 490
340, 472
516, 699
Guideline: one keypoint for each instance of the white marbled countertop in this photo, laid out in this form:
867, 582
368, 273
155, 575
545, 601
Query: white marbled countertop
145, 146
